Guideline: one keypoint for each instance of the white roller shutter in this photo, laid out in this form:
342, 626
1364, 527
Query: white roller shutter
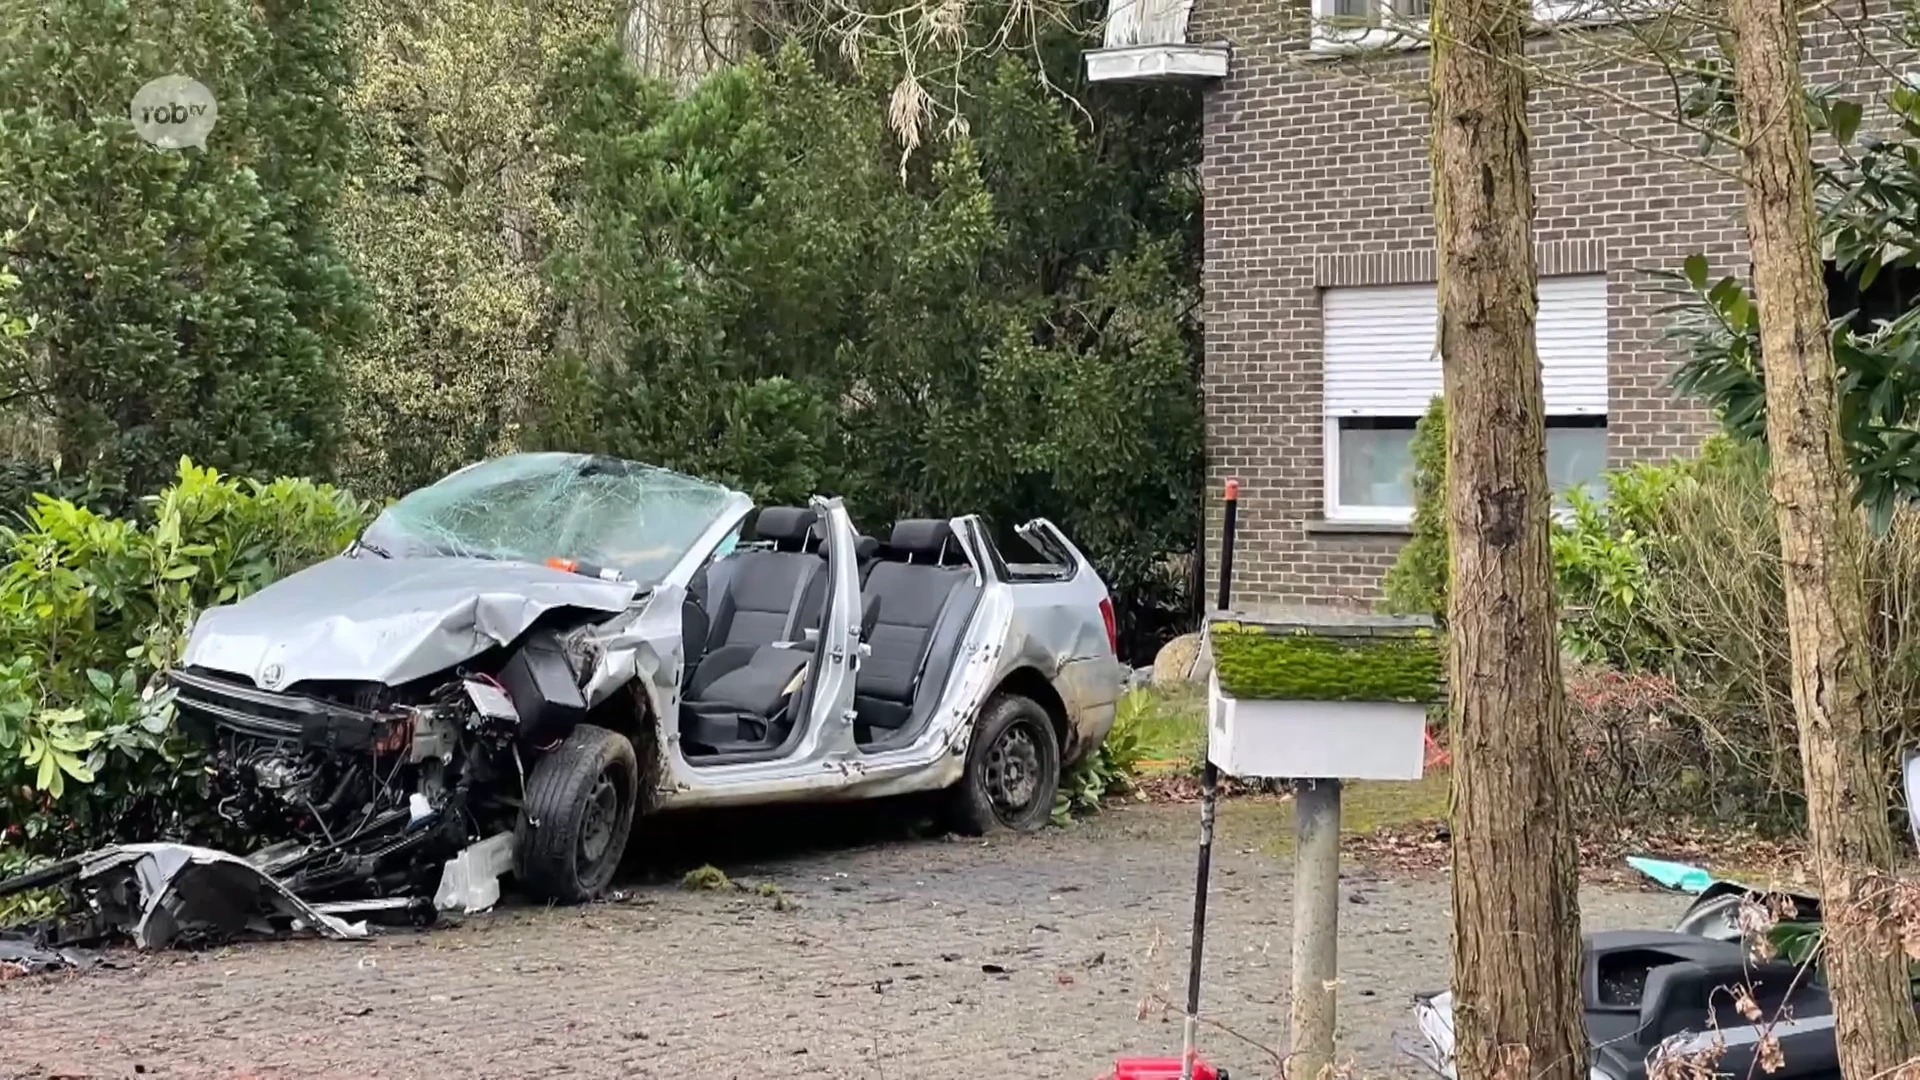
1380, 359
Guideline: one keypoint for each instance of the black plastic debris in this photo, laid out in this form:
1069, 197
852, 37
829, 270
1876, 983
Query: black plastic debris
25, 955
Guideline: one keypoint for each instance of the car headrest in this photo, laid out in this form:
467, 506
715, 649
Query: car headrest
786, 526
865, 548
921, 539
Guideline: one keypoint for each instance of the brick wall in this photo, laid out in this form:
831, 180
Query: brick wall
1315, 173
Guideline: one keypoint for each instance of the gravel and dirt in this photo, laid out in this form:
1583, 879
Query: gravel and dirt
855, 951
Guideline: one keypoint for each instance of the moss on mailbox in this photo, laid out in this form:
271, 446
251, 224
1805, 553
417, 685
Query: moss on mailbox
1298, 664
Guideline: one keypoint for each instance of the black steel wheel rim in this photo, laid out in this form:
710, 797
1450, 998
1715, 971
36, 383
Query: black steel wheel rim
1014, 770
596, 826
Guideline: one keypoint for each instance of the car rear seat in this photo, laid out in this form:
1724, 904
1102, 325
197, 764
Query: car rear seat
765, 597
924, 594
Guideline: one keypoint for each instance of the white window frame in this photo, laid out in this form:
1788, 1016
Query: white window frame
1332, 508
1326, 39
1336, 512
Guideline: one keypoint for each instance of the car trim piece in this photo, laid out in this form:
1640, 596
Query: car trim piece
279, 715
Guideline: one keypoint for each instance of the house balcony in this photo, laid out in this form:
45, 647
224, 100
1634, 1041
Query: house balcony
1146, 41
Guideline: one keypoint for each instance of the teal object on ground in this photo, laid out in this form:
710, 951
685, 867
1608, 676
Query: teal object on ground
1688, 879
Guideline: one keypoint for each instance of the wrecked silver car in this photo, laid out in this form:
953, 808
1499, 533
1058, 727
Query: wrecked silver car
511, 663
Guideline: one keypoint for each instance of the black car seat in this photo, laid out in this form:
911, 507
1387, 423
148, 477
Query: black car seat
765, 596
922, 595
866, 552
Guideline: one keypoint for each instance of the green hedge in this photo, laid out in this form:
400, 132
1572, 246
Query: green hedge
1300, 665
91, 606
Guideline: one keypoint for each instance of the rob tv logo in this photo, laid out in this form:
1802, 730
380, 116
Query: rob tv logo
173, 112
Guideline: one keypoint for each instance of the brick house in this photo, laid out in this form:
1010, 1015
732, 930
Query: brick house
1319, 266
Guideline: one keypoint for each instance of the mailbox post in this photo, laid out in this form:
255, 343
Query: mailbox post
1319, 696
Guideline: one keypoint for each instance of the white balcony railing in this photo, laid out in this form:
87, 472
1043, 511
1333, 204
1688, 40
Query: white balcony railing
1146, 41
1147, 22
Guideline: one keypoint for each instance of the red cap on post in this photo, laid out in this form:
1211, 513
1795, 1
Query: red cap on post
1233, 489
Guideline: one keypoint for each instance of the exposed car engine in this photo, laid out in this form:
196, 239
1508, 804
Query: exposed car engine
367, 791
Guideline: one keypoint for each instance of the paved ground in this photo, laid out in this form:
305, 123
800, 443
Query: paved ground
898, 958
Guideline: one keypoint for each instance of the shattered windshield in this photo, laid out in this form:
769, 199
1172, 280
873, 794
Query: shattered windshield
601, 511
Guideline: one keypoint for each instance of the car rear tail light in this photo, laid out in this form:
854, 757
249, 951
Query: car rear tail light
1113, 631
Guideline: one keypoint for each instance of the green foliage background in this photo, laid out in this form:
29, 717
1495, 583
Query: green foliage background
182, 302
1869, 190
995, 333
428, 232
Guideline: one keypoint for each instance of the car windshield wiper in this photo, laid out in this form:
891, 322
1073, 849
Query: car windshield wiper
363, 542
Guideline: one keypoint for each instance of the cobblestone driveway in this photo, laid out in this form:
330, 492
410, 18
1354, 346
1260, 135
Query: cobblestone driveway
927, 959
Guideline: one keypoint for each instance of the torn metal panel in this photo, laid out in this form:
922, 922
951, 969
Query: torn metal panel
158, 893
357, 618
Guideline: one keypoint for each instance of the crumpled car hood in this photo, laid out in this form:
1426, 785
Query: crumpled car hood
365, 618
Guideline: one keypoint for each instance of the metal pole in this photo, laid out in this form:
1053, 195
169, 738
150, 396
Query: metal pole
1209, 800
1209, 788
1229, 521
1316, 926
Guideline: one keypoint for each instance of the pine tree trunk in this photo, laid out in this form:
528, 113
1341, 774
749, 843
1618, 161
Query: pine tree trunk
1516, 936
1822, 544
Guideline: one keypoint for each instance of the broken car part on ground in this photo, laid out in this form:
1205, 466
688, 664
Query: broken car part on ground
1658, 996
157, 894
512, 663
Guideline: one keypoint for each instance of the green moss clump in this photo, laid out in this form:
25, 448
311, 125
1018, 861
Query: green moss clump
1300, 665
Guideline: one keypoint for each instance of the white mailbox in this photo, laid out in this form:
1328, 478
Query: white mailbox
1312, 694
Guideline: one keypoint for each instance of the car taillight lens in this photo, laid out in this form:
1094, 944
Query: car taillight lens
1113, 631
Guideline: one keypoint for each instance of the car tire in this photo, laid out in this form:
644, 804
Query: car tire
579, 810
1012, 773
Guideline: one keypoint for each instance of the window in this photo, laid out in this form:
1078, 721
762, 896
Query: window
1371, 464
1381, 373
1348, 25
1343, 25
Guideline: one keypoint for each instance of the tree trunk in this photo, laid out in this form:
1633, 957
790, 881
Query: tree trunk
1516, 910
1822, 541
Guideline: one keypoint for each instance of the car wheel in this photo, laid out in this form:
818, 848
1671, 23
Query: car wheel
579, 810
1013, 770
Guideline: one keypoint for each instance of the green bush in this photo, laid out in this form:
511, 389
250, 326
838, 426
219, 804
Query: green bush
1600, 550
186, 302
1603, 555
92, 606
1110, 769
1417, 582
1672, 582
